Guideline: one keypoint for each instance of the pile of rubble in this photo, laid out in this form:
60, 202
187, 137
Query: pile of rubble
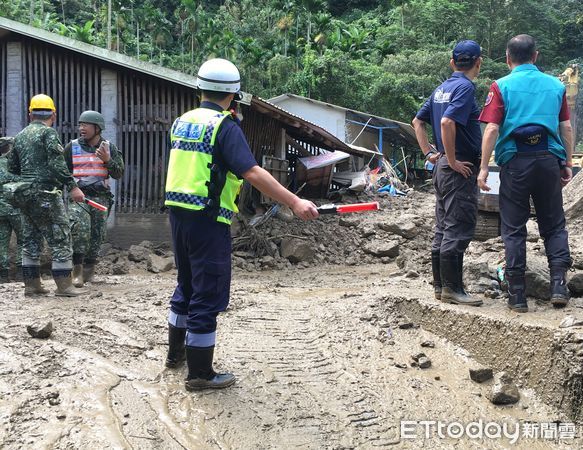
400, 232
402, 227
154, 258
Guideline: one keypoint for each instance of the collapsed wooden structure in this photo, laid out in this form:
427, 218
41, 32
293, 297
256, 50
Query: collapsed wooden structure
140, 102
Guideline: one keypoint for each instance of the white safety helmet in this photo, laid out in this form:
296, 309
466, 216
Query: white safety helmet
218, 75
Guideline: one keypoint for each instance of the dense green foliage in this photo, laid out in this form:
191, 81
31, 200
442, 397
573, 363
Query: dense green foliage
384, 57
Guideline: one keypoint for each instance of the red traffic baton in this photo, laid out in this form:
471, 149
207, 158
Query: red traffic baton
344, 209
96, 205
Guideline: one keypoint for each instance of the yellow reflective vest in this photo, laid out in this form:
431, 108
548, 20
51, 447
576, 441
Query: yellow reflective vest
193, 138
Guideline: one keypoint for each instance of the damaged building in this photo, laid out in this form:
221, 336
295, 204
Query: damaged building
140, 102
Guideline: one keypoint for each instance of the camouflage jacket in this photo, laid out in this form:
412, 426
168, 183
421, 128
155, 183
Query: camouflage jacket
6, 209
37, 157
115, 166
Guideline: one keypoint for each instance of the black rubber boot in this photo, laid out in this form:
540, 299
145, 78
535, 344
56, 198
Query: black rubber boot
460, 268
4, 276
559, 291
452, 292
176, 352
200, 370
436, 274
516, 292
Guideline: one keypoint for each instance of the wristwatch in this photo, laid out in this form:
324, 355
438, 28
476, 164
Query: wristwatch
429, 153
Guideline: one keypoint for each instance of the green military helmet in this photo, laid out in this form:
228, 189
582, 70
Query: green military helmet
93, 117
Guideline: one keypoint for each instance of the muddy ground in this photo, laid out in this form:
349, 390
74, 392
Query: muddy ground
320, 359
321, 349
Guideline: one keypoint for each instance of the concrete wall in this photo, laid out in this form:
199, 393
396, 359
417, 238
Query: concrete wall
367, 139
109, 110
15, 108
131, 229
330, 119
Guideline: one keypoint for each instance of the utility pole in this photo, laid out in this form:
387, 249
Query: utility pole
31, 14
109, 24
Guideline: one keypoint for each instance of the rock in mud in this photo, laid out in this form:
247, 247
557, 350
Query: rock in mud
367, 232
417, 356
138, 253
424, 362
296, 250
428, 344
380, 249
570, 321
120, 267
157, 264
575, 285
537, 285
349, 222
481, 374
40, 330
504, 391
406, 229
269, 262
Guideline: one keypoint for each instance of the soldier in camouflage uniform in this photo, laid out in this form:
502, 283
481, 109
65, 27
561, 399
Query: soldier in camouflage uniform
9, 217
92, 160
37, 157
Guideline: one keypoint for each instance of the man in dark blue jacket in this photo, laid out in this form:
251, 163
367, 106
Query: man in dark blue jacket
453, 114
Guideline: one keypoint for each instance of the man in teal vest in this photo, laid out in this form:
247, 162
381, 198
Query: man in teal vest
528, 124
208, 160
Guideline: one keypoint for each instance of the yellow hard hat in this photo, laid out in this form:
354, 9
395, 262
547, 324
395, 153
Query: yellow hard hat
41, 101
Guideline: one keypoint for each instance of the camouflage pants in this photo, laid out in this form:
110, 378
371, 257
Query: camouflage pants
44, 216
8, 224
88, 227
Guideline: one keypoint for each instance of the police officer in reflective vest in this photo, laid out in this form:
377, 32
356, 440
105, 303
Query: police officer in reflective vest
528, 125
453, 114
208, 160
93, 160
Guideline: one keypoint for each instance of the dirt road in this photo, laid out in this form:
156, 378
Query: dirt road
320, 358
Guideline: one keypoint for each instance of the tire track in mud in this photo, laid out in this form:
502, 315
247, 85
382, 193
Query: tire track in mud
309, 399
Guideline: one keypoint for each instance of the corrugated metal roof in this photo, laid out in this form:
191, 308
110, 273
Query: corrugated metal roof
406, 131
96, 52
297, 126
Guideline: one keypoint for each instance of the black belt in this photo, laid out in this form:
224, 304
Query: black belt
535, 154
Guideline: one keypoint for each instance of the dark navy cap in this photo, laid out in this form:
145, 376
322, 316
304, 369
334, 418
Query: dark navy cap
466, 51
531, 137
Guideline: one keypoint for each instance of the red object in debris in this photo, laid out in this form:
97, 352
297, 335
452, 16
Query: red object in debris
358, 207
343, 209
96, 205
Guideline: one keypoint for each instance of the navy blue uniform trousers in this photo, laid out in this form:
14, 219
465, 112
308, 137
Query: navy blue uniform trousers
202, 251
456, 209
535, 174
